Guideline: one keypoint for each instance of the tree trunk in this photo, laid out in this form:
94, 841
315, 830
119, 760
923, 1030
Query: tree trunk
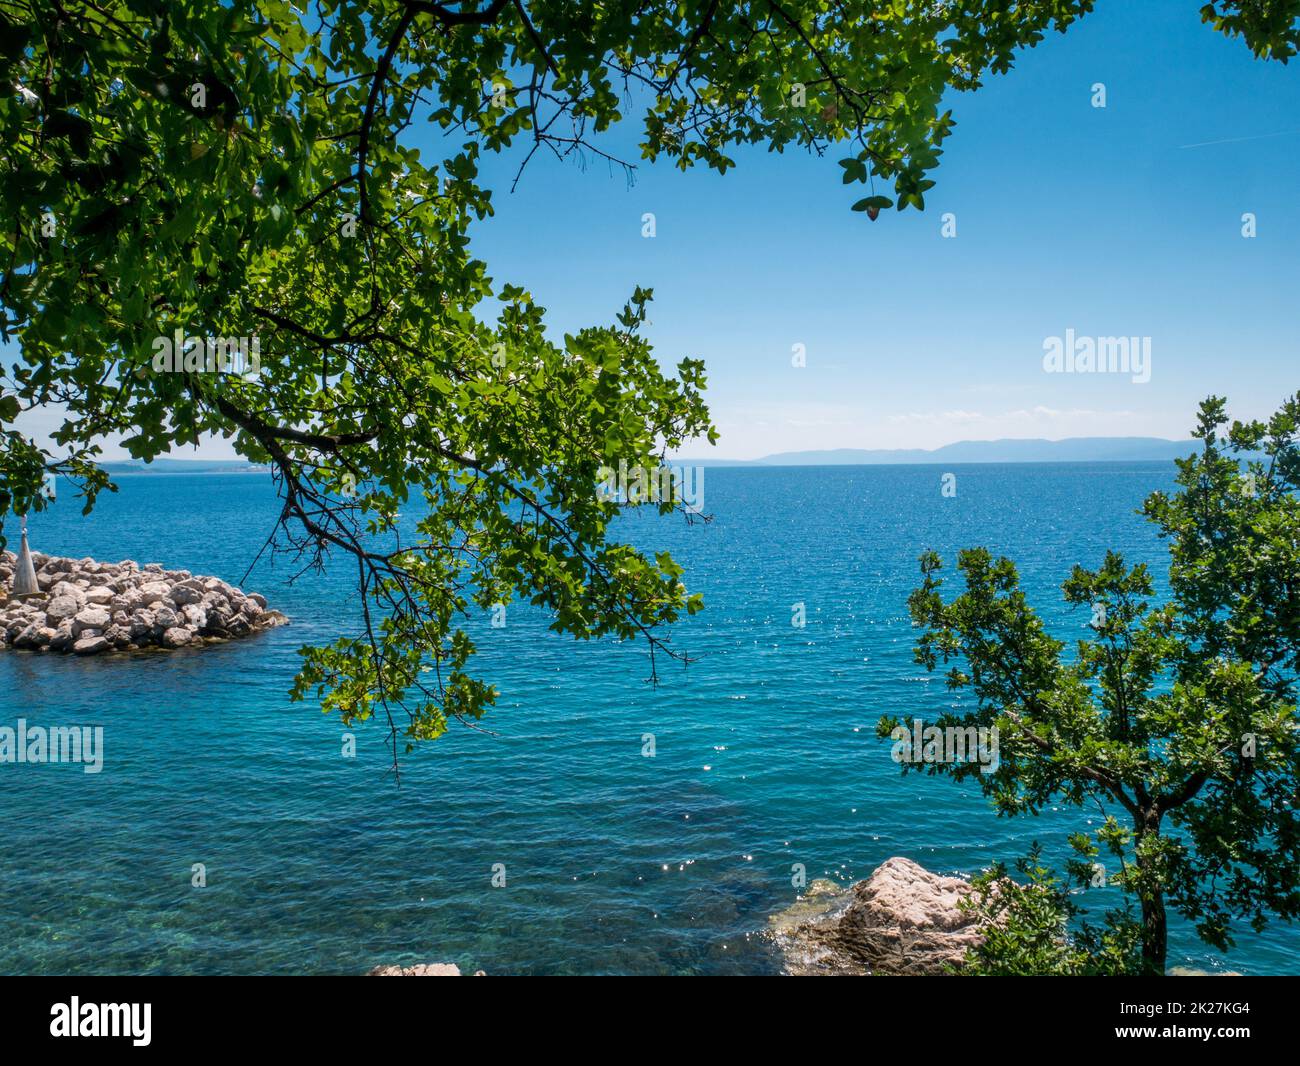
1155, 936
1155, 931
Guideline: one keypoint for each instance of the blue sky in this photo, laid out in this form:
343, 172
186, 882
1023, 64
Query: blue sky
1117, 221
1122, 221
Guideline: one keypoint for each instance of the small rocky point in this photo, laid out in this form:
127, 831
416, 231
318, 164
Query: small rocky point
903, 920
87, 607
423, 969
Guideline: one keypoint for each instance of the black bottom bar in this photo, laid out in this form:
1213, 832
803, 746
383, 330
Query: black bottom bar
235, 1014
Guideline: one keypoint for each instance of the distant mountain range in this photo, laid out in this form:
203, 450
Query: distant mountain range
1070, 450
1007, 450
181, 466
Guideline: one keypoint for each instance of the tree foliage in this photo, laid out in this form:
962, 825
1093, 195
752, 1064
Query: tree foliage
1176, 721
1029, 928
1270, 28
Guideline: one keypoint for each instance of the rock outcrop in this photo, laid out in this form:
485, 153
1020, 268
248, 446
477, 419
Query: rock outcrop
423, 969
87, 607
902, 920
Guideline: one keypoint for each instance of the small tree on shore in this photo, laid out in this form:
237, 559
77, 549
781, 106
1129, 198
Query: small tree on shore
1176, 721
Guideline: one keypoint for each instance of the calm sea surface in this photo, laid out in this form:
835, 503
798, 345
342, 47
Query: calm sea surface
614, 862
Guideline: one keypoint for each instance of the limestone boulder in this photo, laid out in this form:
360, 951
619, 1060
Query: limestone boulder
185, 594
59, 608
903, 920
91, 618
423, 969
63, 638
177, 637
33, 636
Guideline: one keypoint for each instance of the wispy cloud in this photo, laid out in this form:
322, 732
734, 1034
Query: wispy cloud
1238, 140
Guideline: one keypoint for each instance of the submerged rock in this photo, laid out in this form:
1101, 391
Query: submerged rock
423, 969
902, 920
87, 607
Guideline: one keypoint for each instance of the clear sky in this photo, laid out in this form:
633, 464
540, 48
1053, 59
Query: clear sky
1116, 221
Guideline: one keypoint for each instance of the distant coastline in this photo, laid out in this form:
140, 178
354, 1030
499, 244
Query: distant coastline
1003, 450
184, 466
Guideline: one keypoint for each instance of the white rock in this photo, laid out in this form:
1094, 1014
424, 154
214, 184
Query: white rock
177, 637
423, 969
154, 590
91, 618
67, 588
63, 637
33, 636
59, 608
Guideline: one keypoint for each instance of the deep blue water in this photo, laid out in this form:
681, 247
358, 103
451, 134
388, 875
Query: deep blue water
766, 752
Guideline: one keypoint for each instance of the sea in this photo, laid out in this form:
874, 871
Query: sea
594, 822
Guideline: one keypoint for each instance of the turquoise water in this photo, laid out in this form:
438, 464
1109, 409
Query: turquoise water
614, 862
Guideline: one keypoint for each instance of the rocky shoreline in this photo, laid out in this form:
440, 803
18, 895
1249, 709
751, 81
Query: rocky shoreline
902, 921
86, 607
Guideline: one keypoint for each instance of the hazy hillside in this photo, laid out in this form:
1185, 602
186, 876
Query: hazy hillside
1070, 450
